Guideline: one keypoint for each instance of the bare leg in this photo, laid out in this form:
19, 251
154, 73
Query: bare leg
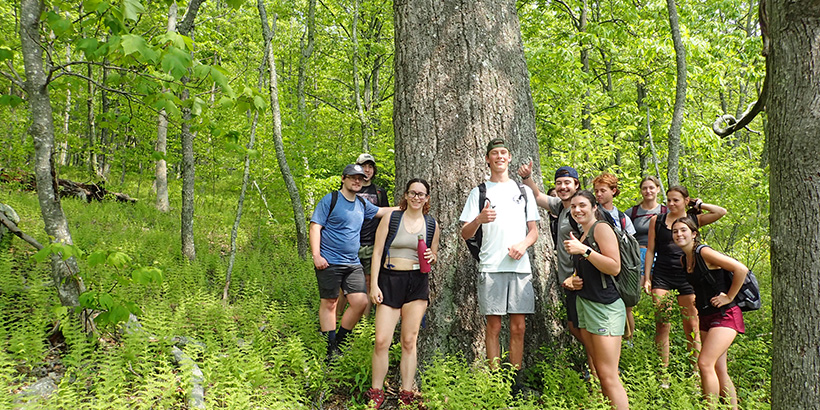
357, 302
386, 319
327, 314
577, 333
690, 325
630, 324
606, 353
716, 343
411, 314
341, 303
491, 340
517, 328
661, 325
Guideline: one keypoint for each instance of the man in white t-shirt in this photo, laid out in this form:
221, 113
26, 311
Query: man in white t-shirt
508, 222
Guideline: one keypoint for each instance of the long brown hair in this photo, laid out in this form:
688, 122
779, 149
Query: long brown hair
692, 211
687, 220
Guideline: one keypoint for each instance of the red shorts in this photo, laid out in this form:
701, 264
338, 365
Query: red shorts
732, 318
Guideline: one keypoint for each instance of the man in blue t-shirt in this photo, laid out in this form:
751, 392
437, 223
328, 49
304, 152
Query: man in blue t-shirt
334, 244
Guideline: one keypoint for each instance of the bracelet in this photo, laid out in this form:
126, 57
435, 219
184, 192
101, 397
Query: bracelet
698, 203
527, 177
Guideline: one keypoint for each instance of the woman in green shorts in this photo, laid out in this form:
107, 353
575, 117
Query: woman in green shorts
601, 312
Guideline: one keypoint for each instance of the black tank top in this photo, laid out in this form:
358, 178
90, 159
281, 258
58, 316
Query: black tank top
593, 288
667, 254
705, 290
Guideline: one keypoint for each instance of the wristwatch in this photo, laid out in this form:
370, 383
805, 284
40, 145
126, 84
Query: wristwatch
587, 253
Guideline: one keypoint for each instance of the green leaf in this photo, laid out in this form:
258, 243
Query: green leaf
60, 311
118, 259
133, 43
97, 258
196, 106
258, 103
157, 155
133, 308
88, 300
57, 23
118, 313
176, 62
10, 100
235, 3
106, 300
253, 154
132, 9
88, 46
5, 54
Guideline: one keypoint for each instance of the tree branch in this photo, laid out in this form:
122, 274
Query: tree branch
577, 24
734, 124
187, 24
15, 230
13, 76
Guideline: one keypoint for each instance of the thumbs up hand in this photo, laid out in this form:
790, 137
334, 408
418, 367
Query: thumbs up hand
487, 214
525, 170
574, 246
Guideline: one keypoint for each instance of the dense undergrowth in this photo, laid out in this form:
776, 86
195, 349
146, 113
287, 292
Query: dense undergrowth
261, 349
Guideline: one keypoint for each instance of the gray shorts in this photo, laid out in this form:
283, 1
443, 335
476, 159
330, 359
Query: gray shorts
347, 277
502, 293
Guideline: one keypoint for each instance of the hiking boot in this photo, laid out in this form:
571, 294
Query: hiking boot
375, 398
409, 399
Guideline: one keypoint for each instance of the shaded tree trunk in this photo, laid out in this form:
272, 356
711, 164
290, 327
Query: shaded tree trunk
185, 27
680, 97
293, 190
793, 108
461, 79
42, 132
306, 46
367, 132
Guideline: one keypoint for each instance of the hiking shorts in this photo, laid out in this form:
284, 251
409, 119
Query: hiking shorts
365, 254
347, 277
732, 318
668, 282
601, 319
402, 286
502, 293
643, 261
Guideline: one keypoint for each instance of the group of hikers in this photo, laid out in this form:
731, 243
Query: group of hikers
378, 254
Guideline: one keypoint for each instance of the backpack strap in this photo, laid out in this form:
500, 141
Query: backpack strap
664, 209
431, 229
635, 212
392, 229
523, 195
334, 197
482, 196
623, 220
702, 264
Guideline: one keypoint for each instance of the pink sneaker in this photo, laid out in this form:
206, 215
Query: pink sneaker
410, 399
375, 398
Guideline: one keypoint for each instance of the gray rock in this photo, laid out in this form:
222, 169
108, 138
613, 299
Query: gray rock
40, 390
11, 215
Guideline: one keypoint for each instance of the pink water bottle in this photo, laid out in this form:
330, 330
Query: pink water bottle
424, 265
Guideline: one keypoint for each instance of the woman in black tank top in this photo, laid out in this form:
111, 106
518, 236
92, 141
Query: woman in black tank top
721, 319
668, 273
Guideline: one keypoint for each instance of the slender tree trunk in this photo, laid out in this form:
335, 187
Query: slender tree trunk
643, 159
304, 56
66, 114
680, 96
461, 79
185, 27
357, 93
161, 178
91, 126
793, 107
293, 190
42, 132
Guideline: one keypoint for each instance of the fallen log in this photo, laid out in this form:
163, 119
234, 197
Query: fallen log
86, 191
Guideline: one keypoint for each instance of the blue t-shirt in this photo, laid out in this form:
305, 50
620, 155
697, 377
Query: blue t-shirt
340, 233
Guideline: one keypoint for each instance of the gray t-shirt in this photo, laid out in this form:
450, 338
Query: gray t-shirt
630, 229
565, 264
641, 222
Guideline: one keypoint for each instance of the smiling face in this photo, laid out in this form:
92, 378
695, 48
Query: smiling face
682, 235
369, 170
676, 202
416, 195
582, 210
565, 187
352, 183
499, 160
649, 191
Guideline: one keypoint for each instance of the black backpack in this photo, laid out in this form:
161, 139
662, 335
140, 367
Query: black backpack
474, 243
395, 220
334, 197
628, 281
748, 297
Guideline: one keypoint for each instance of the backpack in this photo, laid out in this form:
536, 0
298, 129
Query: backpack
334, 197
748, 297
393, 228
635, 215
474, 243
628, 281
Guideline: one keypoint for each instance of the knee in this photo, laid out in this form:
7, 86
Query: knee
493, 328
328, 304
382, 343
359, 301
408, 342
517, 329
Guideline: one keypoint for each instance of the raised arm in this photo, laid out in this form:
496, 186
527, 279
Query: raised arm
525, 172
714, 212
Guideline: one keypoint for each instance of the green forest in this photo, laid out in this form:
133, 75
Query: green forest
161, 160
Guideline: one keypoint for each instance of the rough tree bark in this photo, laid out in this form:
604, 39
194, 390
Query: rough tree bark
185, 27
461, 79
793, 109
293, 190
42, 132
680, 96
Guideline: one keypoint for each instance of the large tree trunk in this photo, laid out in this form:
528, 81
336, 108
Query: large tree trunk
680, 96
793, 108
461, 79
293, 190
42, 132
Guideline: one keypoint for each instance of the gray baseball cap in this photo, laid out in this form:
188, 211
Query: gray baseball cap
353, 169
365, 158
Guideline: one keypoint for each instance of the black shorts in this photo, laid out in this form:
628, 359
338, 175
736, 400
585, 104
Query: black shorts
402, 286
349, 278
572, 308
669, 282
